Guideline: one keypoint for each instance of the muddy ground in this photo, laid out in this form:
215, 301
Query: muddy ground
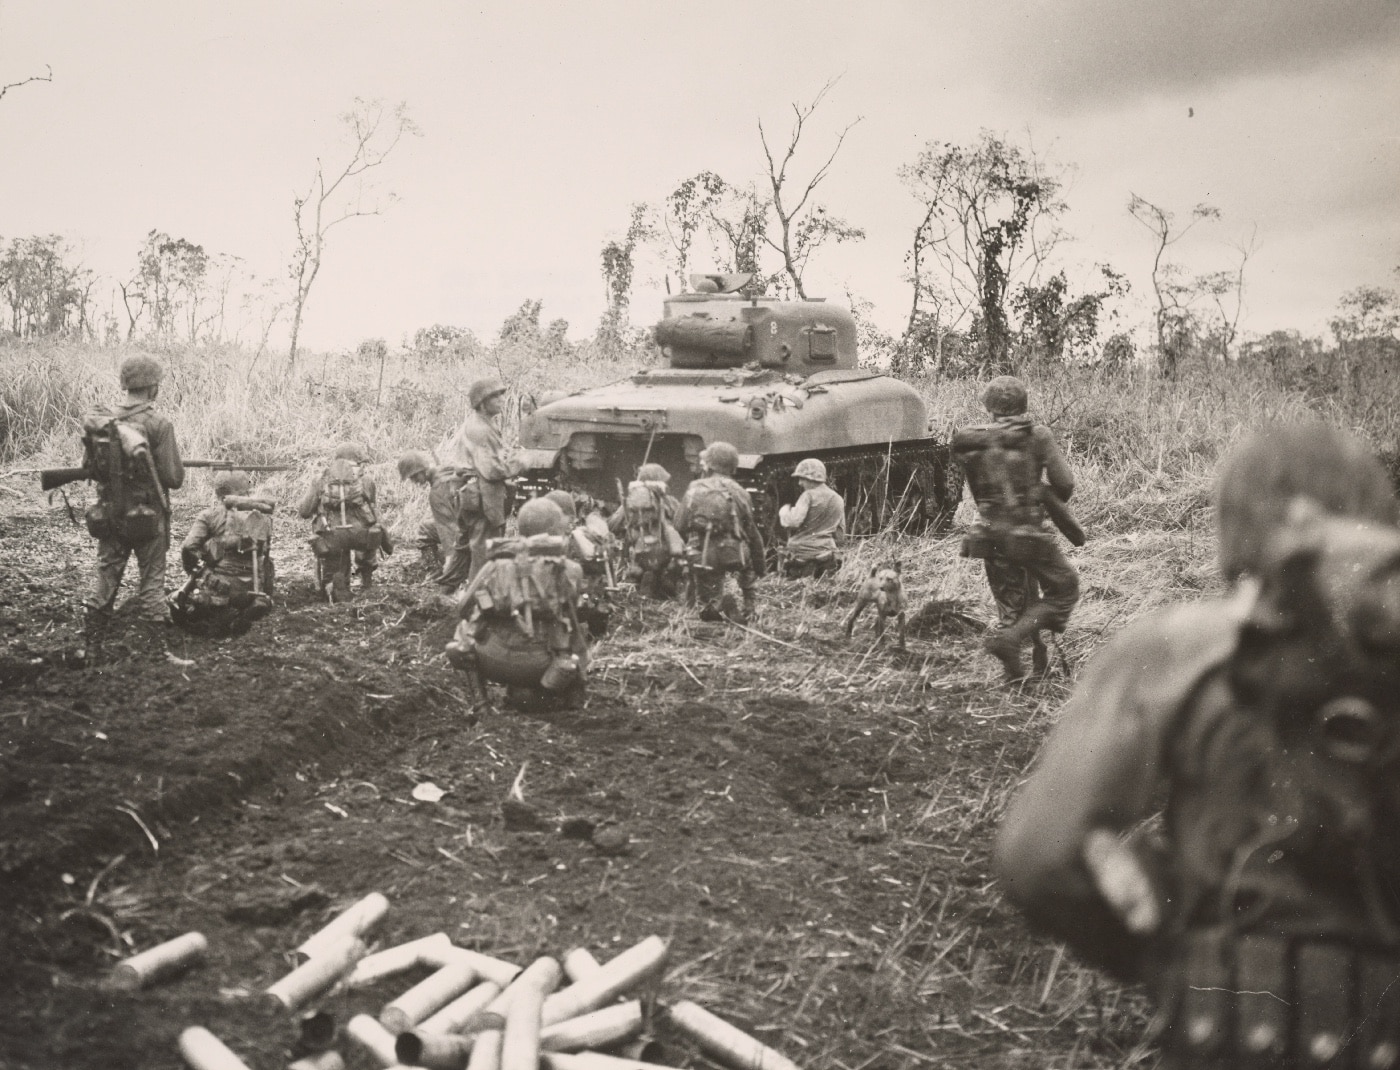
806, 820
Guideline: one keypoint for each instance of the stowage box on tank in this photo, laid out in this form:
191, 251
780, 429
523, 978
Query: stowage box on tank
780, 381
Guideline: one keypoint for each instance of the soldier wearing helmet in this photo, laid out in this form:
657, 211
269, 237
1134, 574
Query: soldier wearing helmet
817, 521
1263, 911
342, 505
1010, 465
520, 624
486, 465
227, 587
645, 522
135, 506
437, 536
716, 520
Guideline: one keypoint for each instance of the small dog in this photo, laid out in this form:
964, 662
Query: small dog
885, 589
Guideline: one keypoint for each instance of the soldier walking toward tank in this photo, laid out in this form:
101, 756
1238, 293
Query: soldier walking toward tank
818, 520
1265, 915
1013, 467
486, 466
437, 536
132, 454
716, 520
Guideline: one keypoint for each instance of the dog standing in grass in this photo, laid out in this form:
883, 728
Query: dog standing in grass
884, 589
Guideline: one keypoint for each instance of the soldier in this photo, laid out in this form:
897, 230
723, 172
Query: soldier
520, 622
1265, 916
135, 459
716, 520
646, 522
1011, 466
818, 520
437, 536
227, 555
590, 544
486, 465
345, 524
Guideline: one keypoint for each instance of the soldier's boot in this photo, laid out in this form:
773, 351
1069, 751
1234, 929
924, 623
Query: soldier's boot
1006, 648
1040, 656
712, 612
340, 587
750, 608
95, 625
729, 607
366, 577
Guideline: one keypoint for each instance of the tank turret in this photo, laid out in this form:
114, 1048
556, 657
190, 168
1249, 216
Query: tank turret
780, 380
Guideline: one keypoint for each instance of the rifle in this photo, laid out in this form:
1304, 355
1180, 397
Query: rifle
234, 466
1060, 516
179, 602
53, 478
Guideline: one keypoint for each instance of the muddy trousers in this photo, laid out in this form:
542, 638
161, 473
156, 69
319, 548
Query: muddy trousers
436, 541
469, 555
112, 556
336, 566
1032, 595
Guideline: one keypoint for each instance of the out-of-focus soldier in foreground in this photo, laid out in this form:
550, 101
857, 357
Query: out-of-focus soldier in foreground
818, 520
520, 624
486, 465
1020, 480
227, 554
716, 520
131, 453
437, 536
1265, 915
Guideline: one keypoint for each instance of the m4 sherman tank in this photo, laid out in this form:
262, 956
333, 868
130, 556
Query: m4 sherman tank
780, 381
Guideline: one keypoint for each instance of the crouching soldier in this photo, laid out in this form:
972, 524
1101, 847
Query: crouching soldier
437, 536
520, 624
1020, 481
646, 523
1265, 915
818, 523
345, 528
131, 453
590, 544
716, 520
227, 554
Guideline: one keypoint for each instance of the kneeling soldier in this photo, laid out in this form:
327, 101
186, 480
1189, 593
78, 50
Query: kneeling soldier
645, 521
228, 556
1265, 914
818, 520
437, 537
345, 526
716, 520
520, 624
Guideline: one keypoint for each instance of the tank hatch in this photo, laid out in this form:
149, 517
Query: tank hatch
729, 330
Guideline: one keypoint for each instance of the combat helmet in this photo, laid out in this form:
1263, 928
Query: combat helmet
651, 472
226, 483
721, 458
351, 451
482, 390
810, 468
413, 462
565, 501
540, 516
1005, 396
141, 373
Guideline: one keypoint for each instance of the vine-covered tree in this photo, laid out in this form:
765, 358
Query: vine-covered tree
619, 266
45, 291
989, 222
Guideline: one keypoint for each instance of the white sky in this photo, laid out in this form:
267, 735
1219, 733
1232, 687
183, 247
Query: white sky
542, 123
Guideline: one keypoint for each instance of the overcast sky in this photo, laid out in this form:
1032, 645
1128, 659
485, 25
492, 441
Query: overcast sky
543, 122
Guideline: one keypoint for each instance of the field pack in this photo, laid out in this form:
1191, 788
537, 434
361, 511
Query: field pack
652, 541
247, 531
528, 582
118, 457
1002, 470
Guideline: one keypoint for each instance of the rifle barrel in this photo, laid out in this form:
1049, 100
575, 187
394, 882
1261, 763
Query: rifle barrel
235, 466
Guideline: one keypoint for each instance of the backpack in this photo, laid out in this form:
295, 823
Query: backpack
247, 533
715, 515
528, 582
117, 456
346, 518
652, 541
1002, 469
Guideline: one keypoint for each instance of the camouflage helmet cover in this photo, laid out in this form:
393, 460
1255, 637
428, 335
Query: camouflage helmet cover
141, 373
651, 472
720, 457
565, 501
483, 389
413, 462
810, 468
540, 516
1005, 396
351, 451
226, 483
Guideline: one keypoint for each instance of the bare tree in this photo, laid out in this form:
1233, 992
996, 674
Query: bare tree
802, 226
47, 76
336, 196
1226, 291
688, 208
1173, 295
989, 221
